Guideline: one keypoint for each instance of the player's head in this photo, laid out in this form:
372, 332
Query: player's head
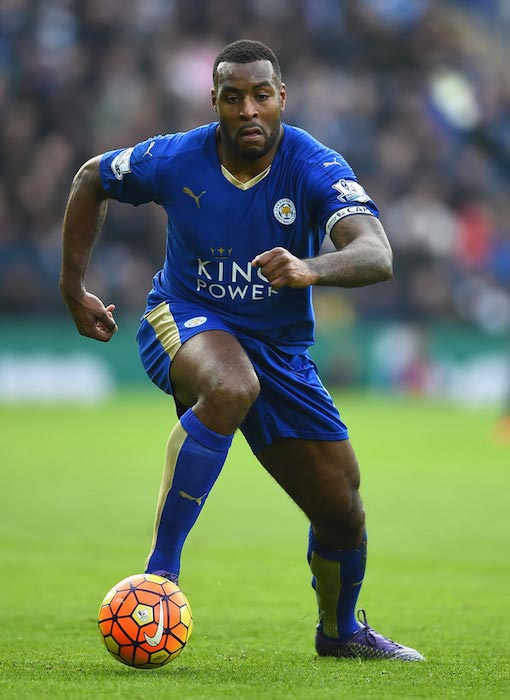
248, 96
246, 51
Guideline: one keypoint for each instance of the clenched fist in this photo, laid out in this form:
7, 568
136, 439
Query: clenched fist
282, 269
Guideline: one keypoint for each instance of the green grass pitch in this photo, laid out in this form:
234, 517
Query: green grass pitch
79, 487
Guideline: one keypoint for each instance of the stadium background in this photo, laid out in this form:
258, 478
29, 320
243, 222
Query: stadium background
415, 94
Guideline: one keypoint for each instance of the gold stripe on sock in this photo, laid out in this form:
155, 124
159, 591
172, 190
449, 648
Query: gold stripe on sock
173, 448
327, 588
165, 327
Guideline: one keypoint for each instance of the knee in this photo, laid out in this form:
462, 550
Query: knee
227, 400
235, 394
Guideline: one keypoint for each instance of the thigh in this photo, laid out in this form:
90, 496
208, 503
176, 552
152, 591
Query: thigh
193, 354
212, 373
209, 364
164, 330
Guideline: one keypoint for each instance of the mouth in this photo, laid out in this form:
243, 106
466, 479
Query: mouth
250, 133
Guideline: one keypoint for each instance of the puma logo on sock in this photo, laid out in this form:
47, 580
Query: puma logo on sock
198, 500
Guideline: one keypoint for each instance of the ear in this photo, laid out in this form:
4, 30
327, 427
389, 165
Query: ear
213, 99
283, 96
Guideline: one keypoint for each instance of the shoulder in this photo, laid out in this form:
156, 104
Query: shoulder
306, 147
157, 152
300, 146
311, 164
172, 145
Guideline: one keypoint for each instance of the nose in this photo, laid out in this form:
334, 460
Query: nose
249, 108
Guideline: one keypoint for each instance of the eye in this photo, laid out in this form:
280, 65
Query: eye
231, 99
262, 97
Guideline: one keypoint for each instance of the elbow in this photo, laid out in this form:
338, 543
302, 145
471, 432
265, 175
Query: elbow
88, 178
385, 266
387, 271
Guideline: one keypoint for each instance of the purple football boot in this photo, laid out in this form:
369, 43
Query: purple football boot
365, 643
166, 574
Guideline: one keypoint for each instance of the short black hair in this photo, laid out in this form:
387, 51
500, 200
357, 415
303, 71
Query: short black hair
246, 51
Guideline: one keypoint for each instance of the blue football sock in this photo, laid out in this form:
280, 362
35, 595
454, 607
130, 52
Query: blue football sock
194, 458
337, 579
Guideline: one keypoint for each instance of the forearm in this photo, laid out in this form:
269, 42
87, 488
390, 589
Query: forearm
83, 219
363, 254
359, 264
363, 257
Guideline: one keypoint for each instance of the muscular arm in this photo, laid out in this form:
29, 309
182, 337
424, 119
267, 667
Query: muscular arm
362, 257
83, 219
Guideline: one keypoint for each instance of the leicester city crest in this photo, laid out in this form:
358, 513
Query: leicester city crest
285, 211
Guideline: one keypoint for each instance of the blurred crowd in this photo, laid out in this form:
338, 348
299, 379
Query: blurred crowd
414, 93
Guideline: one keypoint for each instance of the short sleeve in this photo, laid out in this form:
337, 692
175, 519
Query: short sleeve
337, 192
129, 174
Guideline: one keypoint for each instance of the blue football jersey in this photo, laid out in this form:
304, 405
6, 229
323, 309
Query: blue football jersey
217, 224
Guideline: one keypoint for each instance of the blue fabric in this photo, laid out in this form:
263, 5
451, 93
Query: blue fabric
155, 360
293, 402
198, 465
352, 565
216, 228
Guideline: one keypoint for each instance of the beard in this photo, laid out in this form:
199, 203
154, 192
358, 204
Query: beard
250, 152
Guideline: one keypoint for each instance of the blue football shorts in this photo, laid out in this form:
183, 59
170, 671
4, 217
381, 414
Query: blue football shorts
293, 402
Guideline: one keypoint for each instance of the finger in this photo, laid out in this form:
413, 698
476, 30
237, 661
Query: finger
102, 333
277, 274
272, 265
97, 332
263, 258
106, 323
277, 283
109, 311
274, 274
103, 338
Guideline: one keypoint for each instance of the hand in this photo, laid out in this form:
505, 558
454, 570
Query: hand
282, 269
92, 318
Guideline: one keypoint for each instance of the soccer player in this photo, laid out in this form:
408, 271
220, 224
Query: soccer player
229, 319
